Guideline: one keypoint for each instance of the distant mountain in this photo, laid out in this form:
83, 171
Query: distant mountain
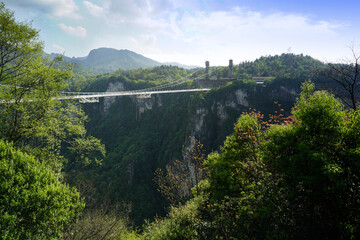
109, 60
77, 68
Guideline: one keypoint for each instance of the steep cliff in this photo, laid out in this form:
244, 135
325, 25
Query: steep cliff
143, 134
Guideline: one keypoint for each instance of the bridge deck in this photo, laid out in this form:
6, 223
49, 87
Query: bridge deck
130, 93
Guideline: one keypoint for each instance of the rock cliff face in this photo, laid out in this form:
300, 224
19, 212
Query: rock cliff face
215, 119
198, 121
143, 134
217, 112
145, 103
113, 87
241, 98
211, 123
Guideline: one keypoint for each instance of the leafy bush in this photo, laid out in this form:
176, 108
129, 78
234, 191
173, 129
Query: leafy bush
100, 224
34, 204
182, 223
298, 179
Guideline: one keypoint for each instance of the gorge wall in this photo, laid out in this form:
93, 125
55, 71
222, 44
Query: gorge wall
143, 134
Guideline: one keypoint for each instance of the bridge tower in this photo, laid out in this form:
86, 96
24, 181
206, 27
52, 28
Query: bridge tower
230, 68
207, 67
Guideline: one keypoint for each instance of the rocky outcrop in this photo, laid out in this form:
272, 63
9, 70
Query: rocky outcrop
113, 87
143, 103
241, 97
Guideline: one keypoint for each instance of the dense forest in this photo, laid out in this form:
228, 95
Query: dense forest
276, 160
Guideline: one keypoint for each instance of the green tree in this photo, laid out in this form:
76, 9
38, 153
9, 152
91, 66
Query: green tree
101, 224
240, 150
19, 42
230, 203
33, 203
182, 223
238, 180
295, 179
317, 161
31, 116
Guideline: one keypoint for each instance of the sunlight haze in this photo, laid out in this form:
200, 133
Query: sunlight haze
191, 32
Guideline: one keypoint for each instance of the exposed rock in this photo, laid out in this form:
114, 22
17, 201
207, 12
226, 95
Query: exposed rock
221, 112
241, 97
199, 120
113, 87
159, 100
229, 103
143, 104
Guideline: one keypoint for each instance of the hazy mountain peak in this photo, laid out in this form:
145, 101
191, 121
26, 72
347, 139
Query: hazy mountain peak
110, 59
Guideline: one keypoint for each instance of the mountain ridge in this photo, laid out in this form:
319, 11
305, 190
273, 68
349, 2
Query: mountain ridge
105, 60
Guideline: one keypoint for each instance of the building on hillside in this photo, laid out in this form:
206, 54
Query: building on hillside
260, 80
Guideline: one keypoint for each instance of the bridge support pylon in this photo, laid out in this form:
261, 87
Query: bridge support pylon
207, 69
230, 68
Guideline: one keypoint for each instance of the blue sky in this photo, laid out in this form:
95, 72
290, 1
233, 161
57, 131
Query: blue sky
192, 31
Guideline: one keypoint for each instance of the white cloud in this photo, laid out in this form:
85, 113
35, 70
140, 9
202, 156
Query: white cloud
148, 39
240, 33
139, 7
64, 8
125, 11
226, 26
236, 33
57, 8
72, 31
95, 10
166, 28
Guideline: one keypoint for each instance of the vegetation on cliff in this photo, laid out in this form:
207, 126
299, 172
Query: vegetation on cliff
35, 130
34, 204
282, 172
142, 135
297, 179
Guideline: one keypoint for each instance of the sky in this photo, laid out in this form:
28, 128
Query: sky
194, 31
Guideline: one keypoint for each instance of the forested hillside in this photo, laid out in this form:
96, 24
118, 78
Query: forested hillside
284, 178
278, 159
142, 135
106, 60
35, 202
